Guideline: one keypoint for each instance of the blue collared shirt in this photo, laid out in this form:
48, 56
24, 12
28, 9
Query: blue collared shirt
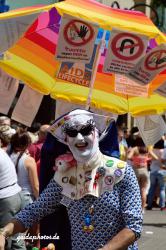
113, 211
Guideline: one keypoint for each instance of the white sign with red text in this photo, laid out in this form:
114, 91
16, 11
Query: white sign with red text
126, 86
76, 40
149, 66
124, 51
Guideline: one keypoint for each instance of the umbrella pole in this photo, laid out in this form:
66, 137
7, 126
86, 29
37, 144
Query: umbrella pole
94, 71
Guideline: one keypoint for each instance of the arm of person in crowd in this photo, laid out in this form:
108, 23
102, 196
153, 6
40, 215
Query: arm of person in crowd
153, 155
132, 213
31, 167
11, 228
131, 153
46, 204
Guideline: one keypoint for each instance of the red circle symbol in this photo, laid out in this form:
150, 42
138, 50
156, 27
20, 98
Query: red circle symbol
156, 60
127, 42
78, 33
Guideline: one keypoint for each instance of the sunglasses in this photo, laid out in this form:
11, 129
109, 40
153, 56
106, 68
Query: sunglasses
85, 131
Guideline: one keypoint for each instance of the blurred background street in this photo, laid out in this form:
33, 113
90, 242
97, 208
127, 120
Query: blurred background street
154, 230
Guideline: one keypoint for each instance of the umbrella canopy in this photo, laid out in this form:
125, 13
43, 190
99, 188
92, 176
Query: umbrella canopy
32, 58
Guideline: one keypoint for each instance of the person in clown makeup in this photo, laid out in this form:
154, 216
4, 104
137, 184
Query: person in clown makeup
101, 193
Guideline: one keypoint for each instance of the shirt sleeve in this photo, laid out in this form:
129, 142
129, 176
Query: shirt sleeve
131, 202
46, 204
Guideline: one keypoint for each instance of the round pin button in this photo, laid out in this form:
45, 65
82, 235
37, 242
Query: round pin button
73, 194
109, 163
65, 179
118, 172
108, 180
121, 164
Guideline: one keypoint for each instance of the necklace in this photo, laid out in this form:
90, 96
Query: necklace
88, 226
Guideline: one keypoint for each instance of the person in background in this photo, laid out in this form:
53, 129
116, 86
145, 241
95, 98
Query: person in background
26, 171
156, 175
4, 120
25, 165
139, 158
123, 147
6, 131
35, 148
101, 193
11, 200
33, 131
127, 134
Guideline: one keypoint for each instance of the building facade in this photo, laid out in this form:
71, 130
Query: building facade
14, 4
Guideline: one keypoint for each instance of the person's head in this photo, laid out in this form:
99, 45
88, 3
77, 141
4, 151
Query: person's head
43, 132
139, 143
4, 120
81, 134
120, 134
126, 133
6, 133
20, 141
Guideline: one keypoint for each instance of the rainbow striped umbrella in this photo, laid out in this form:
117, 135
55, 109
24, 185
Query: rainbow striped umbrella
32, 58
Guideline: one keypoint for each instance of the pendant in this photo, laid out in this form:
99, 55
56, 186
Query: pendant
88, 226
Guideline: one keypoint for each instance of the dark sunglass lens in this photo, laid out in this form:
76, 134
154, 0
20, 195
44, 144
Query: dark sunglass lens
71, 132
87, 130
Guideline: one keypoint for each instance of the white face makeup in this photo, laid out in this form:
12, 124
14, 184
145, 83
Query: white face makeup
83, 147
81, 136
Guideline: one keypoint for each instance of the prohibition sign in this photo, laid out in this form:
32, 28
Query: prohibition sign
75, 25
137, 46
155, 60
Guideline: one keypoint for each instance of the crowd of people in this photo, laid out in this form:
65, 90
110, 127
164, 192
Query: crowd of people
148, 163
105, 197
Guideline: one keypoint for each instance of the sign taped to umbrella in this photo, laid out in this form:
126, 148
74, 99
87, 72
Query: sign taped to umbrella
77, 73
162, 89
76, 40
126, 86
124, 51
151, 128
149, 66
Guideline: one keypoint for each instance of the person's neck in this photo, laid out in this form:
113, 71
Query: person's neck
93, 162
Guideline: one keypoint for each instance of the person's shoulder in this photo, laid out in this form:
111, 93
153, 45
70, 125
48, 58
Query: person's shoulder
115, 167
